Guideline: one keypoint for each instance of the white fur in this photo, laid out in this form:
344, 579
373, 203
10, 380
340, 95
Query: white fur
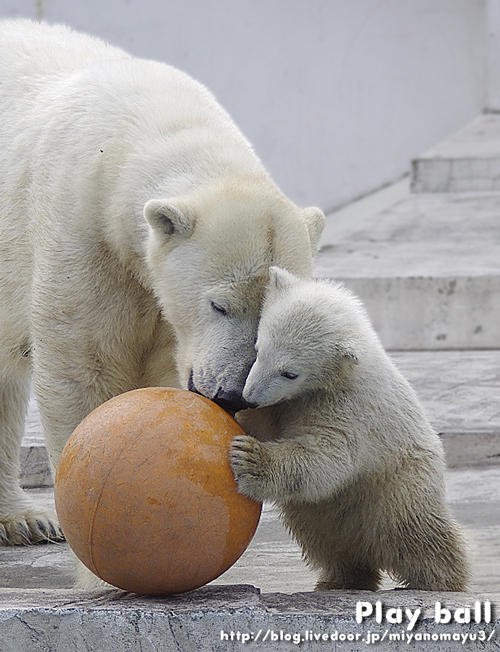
343, 446
131, 210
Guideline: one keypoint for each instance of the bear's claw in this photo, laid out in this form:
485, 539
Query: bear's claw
30, 527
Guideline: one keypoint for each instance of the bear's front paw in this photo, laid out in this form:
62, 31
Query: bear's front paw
30, 526
249, 465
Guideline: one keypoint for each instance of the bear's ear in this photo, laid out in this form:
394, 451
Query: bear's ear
315, 222
348, 352
280, 279
169, 218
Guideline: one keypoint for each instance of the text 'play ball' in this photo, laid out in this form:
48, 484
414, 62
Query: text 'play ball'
145, 494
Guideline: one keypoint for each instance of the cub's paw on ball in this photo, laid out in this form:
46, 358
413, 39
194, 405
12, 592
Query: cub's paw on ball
250, 466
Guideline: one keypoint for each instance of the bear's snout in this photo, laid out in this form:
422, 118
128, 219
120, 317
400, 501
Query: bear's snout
231, 402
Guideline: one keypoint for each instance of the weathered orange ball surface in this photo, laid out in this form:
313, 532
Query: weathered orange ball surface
145, 494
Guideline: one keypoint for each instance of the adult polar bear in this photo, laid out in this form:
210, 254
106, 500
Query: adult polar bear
137, 230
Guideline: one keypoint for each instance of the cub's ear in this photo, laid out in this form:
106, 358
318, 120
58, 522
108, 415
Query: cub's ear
169, 218
280, 279
315, 222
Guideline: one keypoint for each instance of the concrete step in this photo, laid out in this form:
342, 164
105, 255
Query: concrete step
460, 391
235, 618
467, 161
426, 266
35, 469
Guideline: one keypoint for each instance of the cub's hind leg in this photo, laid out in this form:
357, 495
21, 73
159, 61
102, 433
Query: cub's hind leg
332, 545
339, 575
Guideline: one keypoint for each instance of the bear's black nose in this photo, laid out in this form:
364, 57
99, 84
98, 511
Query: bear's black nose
232, 402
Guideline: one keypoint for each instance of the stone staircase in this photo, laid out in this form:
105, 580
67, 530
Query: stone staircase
424, 256
468, 161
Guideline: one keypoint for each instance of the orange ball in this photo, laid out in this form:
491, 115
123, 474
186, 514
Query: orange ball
145, 493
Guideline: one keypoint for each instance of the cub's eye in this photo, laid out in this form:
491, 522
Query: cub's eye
290, 375
217, 308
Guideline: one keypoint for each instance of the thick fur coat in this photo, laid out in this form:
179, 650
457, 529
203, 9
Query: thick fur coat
340, 442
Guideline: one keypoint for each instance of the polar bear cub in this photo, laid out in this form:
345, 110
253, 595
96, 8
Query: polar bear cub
342, 445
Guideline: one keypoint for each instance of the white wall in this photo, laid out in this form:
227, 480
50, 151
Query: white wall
493, 60
336, 95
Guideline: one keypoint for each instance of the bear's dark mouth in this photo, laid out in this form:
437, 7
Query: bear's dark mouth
231, 402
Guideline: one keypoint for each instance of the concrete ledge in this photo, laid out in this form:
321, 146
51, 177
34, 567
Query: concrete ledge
467, 161
473, 448
431, 312
459, 390
240, 617
35, 469
435, 174
426, 266
463, 448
